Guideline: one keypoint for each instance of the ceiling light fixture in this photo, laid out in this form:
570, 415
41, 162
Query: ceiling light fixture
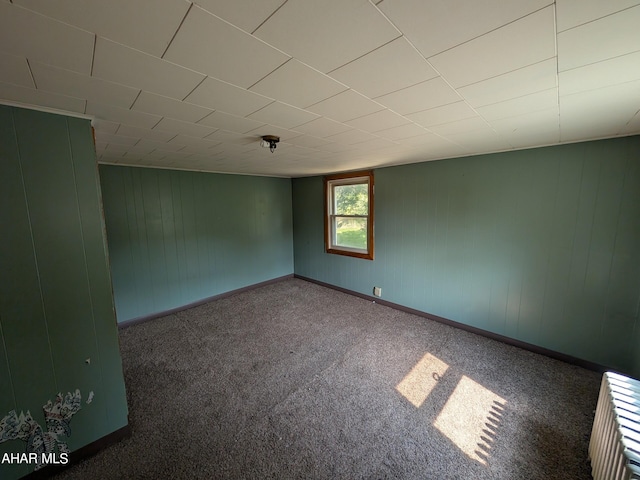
270, 142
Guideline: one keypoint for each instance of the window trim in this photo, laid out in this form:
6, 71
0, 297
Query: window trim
329, 248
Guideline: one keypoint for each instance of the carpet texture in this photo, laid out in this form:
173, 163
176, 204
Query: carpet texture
295, 380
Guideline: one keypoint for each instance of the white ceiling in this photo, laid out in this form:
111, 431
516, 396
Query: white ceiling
346, 84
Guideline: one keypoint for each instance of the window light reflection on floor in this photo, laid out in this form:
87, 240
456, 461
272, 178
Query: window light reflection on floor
470, 418
418, 383
471, 415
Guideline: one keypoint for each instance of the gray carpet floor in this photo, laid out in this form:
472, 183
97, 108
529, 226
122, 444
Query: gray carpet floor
294, 380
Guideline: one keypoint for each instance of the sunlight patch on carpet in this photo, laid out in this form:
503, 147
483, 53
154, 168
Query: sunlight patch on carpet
470, 418
418, 383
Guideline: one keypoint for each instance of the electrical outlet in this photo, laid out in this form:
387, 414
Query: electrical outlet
377, 291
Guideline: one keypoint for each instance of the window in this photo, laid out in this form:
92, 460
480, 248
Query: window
349, 214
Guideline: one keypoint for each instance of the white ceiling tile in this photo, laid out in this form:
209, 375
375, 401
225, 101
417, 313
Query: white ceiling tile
572, 13
598, 113
531, 138
530, 79
184, 128
138, 132
117, 139
15, 70
298, 85
295, 151
115, 149
31, 96
143, 148
47, 40
232, 140
300, 29
351, 137
585, 128
599, 40
121, 115
339, 148
223, 96
169, 107
209, 45
323, 127
425, 95
518, 106
480, 141
282, 115
105, 126
633, 126
376, 145
625, 68
245, 14
200, 150
151, 145
437, 26
132, 158
541, 119
65, 82
391, 67
120, 64
345, 106
378, 121
284, 133
460, 126
308, 141
444, 114
518, 44
120, 20
176, 157
353, 75
427, 139
603, 101
230, 122
194, 142
154, 158
530, 129
403, 131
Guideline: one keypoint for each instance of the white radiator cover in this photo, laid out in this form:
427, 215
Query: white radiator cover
614, 448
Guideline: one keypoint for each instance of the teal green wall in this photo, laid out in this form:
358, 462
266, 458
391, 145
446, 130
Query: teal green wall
540, 245
56, 308
178, 237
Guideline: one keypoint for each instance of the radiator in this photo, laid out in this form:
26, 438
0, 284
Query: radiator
614, 447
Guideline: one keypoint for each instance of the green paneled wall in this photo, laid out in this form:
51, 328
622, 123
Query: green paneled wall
178, 237
56, 309
540, 245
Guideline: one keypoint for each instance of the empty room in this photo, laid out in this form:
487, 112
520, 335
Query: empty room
320, 239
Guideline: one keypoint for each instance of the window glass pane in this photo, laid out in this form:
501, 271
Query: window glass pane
351, 232
351, 199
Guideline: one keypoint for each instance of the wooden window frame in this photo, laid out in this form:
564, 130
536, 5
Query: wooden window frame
343, 179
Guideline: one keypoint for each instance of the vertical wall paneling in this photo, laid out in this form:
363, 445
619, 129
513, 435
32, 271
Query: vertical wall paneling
541, 245
24, 324
192, 235
109, 392
57, 322
8, 399
50, 189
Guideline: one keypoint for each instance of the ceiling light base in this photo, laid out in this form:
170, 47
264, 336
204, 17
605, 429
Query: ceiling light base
270, 142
